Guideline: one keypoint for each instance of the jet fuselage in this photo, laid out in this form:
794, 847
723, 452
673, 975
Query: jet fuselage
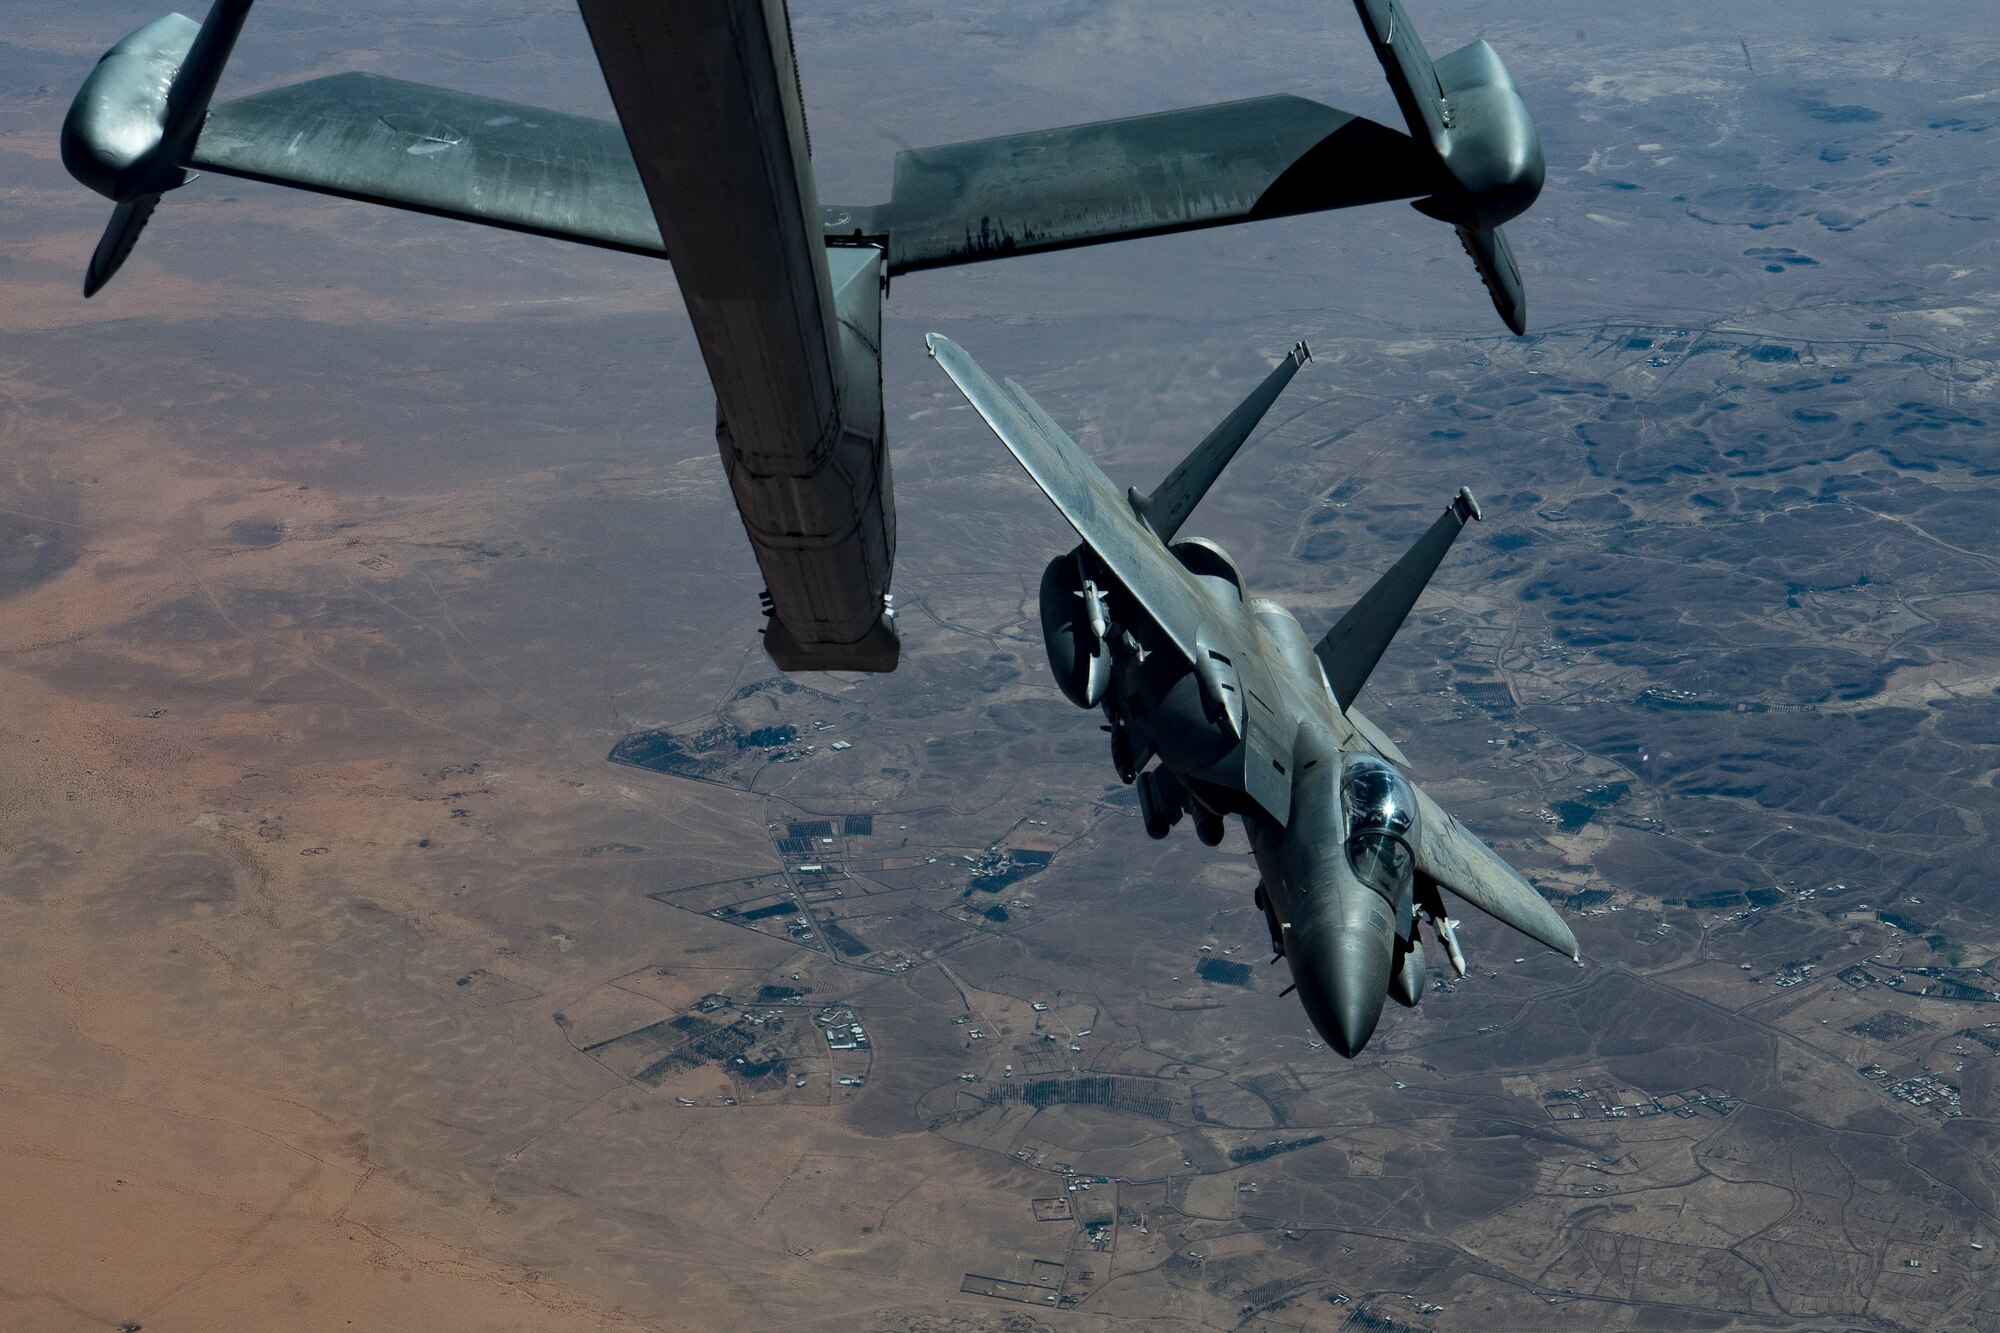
1255, 692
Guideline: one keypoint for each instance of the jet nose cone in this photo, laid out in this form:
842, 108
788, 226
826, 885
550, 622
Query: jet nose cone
1343, 987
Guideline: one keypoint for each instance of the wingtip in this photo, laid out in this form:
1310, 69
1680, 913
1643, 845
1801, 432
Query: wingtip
930, 344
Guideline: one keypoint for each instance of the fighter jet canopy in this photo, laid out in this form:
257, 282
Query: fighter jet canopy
1381, 809
1378, 799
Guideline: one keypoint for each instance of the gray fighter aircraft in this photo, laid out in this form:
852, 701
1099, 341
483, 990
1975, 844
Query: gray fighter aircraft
710, 162
1247, 717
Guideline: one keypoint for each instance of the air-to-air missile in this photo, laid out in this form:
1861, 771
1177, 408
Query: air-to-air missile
1248, 717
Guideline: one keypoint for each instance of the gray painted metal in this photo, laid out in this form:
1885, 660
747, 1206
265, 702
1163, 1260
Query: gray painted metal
710, 161
1247, 719
129, 131
1084, 495
1140, 176
1489, 157
128, 219
114, 138
709, 99
1451, 855
1407, 65
1353, 646
1170, 503
845, 508
1466, 109
385, 141
504, 164
1493, 256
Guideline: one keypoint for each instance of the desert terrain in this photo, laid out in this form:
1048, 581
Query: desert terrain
423, 906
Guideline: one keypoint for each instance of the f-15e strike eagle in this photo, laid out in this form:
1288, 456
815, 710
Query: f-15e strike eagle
1249, 718
709, 163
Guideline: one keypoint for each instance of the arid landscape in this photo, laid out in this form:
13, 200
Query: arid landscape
422, 906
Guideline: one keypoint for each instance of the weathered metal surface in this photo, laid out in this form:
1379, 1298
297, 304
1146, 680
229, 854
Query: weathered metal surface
709, 162
1140, 176
385, 141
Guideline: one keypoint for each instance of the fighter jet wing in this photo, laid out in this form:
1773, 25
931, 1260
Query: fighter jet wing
1094, 507
384, 141
1451, 855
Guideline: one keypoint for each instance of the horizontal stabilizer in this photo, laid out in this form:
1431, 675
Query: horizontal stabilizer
1351, 648
1206, 166
1079, 488
1494, 259
431, 150
1175, 498
1449, 854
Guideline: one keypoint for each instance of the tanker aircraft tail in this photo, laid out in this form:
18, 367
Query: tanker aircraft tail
1175, 498
709, 161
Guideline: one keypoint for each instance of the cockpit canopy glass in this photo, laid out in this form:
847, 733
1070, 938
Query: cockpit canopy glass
1382, 863
1377, 798
1381, 810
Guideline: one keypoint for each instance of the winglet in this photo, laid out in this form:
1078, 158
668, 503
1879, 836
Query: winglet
1494, 259
115, 246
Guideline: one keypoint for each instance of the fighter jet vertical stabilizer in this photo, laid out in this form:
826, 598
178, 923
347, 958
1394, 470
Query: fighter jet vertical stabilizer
1175, 498
134, 122
1353, 646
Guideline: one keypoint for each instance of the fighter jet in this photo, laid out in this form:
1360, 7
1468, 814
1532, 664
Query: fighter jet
1248, 717
710, 162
